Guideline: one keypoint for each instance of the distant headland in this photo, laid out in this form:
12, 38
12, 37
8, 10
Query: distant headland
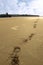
17, 15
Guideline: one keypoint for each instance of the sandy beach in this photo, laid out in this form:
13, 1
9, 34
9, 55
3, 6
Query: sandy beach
14, 31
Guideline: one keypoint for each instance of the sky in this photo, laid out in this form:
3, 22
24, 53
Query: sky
34, 7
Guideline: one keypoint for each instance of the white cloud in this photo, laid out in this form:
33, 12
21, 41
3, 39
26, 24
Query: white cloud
16, 7
8, 6
37, 6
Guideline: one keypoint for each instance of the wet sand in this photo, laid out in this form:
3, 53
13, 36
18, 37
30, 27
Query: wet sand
18, 31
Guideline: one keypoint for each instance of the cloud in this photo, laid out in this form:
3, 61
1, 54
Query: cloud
33, 7
37, 6
22, 7
9, 6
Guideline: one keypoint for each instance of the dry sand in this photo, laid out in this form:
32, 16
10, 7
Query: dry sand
13, 32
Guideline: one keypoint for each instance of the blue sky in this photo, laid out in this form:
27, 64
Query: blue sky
21, 7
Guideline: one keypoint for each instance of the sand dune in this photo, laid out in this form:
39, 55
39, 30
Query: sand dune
17, 31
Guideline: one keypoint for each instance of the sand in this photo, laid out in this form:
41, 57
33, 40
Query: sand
14, 31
